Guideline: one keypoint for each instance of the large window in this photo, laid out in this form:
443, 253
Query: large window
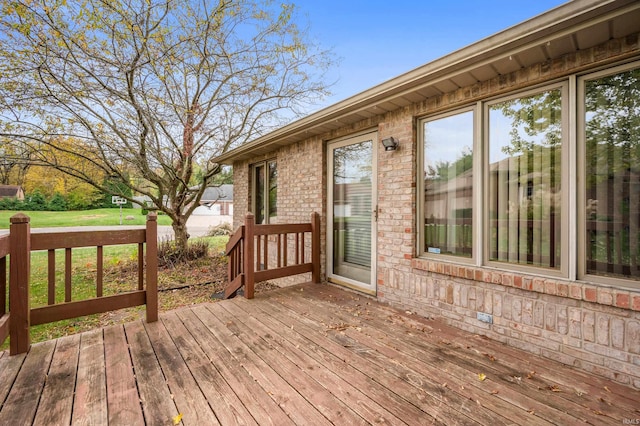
611, 200
265, 191
448, 184
552, 184
525, 196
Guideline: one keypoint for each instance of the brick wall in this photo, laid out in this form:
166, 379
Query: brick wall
301, 174
592, 327
595, 328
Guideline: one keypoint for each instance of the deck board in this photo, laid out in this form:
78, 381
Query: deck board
122, 394
228, 408
90, 403
56, 403
22, 401
309, 354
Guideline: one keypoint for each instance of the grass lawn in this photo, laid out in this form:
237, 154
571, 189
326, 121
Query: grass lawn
96, 217
181, 285
120, 275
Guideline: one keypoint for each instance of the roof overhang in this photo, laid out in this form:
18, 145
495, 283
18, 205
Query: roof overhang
574, 26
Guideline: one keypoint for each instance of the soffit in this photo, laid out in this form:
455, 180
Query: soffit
572, 27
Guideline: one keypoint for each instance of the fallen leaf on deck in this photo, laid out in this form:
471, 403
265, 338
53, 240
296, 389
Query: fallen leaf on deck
554, 388
531, 374
607, 389
491, 357
482, 377
495, 392
177, 419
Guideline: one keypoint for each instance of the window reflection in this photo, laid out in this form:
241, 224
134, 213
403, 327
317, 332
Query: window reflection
612, 185
524, 192
448, 185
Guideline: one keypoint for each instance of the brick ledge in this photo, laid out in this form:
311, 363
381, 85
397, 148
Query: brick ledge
609, 296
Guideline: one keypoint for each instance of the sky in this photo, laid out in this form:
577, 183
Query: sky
375, 41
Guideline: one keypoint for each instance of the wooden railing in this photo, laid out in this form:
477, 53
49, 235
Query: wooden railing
4, 315
249, 260
21, 242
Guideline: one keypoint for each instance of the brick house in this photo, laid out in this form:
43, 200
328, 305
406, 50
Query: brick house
508, 199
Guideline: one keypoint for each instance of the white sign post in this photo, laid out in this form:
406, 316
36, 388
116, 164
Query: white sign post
118, 200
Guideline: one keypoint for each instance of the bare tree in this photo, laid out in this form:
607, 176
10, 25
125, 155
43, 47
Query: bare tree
15, 161
147, 89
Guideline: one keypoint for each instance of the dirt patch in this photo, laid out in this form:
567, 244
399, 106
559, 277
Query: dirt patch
92, 216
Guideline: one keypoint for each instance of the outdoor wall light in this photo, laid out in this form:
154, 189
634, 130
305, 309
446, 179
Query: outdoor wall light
390, 144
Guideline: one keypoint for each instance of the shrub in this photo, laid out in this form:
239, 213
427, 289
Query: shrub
224, 229
57, 203
35, 202
11, 204
169, 254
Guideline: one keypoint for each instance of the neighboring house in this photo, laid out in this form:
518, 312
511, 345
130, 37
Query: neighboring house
11, 191
217, 201
511, 204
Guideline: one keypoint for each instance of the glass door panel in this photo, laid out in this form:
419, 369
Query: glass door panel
352, 205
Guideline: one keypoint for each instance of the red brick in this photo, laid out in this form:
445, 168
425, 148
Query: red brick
605, 296
622, 300
562, 290
575, 291
550, 287
590, 294
538, 285
636, 303
479, 275
517, 281
470, 273
507, 279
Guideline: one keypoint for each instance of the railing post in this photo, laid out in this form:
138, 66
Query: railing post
152, 267
249, 224
315, 247
19, 273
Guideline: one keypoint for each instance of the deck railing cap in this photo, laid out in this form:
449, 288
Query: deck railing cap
20, 218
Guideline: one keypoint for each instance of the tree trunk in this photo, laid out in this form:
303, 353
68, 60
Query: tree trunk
180, 233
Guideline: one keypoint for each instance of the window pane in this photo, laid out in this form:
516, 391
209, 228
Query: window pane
448, 185
525, 199
273, 190
259, 189
612, 193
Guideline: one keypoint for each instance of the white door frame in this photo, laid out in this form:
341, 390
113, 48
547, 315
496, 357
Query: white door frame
371, 287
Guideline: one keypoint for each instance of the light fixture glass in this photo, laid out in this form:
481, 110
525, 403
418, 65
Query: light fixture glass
390, 144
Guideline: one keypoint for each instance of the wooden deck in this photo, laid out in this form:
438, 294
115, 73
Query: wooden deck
308, 355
